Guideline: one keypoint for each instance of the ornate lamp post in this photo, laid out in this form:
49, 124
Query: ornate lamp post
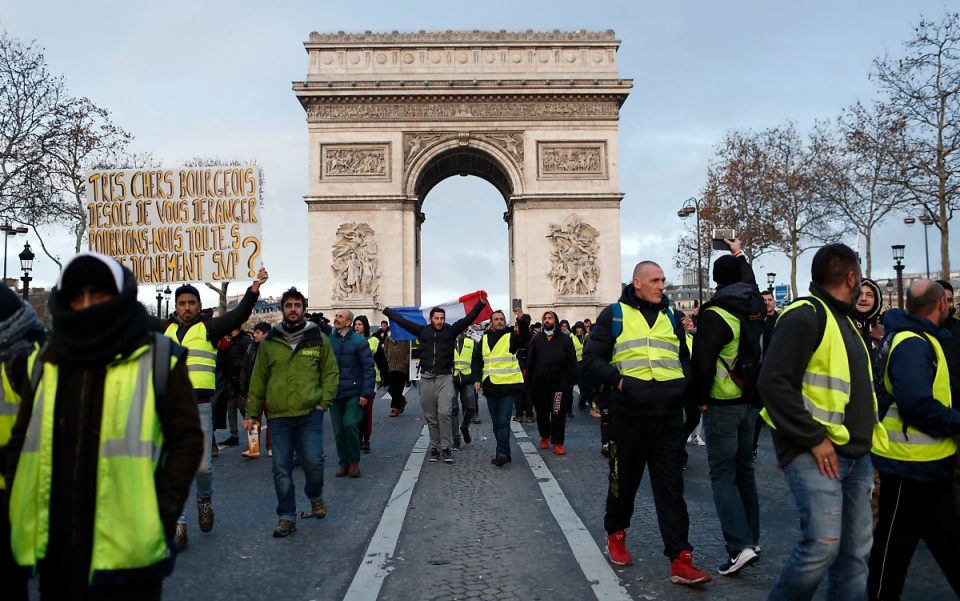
898, 257
166, 296
8, 232
771, 277
889, 294
691, 206
927, 221
26, 264
159, 299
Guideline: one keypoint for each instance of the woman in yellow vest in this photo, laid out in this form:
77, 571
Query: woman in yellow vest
21, 333
104, 464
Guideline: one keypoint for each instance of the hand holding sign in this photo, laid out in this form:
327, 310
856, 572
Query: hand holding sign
262, 277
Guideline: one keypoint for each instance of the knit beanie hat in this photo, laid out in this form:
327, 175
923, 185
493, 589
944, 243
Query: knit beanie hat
726, 270
186, 289
89, 269
9, 302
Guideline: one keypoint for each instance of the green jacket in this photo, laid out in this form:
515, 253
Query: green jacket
293, 381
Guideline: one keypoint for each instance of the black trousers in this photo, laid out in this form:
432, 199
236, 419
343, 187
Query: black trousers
12, 576
912, 511
396, 380
552, 400
636, 443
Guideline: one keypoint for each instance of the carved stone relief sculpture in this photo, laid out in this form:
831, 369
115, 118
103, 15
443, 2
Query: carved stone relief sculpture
572, 160
356, 265
574, 269
355, 161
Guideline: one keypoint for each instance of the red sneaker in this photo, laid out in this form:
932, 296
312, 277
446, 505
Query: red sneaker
682, 570
558, 449
544, 443
617, 549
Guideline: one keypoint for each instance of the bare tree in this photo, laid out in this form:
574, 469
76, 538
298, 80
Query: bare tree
922, 90
30, 100
858, 163
794, 184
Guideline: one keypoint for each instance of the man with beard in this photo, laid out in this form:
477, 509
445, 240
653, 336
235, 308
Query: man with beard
105, 449
21, 333
916, 469
199, 332
502, 377
818, 399
551, 371
297, 376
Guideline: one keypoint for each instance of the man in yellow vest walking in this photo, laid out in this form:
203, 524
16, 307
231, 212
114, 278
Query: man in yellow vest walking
199, 332
105, 445
916, 469
818, 398
467, 367
638, 351
21, 333
502, 380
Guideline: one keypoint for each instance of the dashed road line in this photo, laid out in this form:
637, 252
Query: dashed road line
603, 580
368, 580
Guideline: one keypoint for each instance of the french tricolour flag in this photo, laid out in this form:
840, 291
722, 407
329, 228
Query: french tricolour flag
455, 311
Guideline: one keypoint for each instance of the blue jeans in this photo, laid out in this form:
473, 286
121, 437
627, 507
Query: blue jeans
836, 531
501, 408
305, 434
204, 477
728, 431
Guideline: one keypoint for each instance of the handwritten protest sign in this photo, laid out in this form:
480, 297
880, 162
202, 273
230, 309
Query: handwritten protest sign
187, 224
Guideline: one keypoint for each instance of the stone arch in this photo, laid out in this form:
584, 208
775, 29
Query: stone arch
390, 115
467, 157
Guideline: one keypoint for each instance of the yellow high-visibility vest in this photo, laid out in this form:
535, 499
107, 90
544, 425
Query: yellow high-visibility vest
578, 347
201, 355
915, 445
127, 531
462, 365
10, 405
723, 386
374, 343
647, 353
500, 366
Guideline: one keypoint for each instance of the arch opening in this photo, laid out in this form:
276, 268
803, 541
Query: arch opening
463, 161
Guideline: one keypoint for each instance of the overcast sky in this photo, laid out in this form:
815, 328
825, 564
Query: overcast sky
214, 79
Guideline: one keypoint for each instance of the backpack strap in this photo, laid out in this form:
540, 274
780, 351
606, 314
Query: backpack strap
616, 322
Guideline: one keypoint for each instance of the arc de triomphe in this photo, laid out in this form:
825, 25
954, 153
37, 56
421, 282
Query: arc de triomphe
534, 113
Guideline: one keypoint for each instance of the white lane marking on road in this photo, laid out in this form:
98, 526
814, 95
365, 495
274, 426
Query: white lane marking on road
368, 580
603, 580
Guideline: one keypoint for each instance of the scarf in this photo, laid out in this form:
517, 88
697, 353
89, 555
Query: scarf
19, 331
292, 334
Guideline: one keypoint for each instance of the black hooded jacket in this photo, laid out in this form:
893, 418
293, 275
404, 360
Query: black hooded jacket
639, 398
82, 359
436, 346
713, 333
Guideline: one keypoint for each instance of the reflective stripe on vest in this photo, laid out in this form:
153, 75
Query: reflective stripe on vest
461, 358
500, 366
374, 343
578, 347
723, 386
826, 382
647, 353
127, 532
201, 355
912, 444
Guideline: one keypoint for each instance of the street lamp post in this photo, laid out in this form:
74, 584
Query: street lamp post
927, 221
889, 294
691, 206
9, 231
159, 299
166, 296
771, 277
898, 257
26, 264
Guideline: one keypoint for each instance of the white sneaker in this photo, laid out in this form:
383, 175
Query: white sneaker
699, 441
745, 557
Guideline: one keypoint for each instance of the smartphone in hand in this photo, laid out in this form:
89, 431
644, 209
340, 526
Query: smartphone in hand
719, 236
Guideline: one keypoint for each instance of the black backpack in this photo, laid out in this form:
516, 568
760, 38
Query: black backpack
746, 367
